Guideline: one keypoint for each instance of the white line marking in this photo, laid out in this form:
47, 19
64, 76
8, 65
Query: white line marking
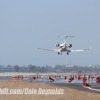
92, 88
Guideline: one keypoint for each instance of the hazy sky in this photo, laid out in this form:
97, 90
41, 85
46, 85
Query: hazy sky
24, 24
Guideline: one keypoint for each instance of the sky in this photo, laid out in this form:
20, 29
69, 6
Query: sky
26, 24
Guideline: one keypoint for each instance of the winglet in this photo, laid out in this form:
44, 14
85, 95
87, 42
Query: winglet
90, 47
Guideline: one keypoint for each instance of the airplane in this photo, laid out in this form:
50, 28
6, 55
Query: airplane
63, 47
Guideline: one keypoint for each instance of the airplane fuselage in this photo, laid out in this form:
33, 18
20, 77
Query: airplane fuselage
63, 47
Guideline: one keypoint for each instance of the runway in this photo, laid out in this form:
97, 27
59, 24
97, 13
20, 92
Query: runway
79, 86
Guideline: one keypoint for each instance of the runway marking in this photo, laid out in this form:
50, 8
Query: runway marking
92, 88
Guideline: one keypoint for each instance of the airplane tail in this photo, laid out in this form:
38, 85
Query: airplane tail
65, 37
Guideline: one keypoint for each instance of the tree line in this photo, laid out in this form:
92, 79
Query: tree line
46, 69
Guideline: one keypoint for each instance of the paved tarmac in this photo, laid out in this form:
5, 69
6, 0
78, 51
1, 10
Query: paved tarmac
94, 88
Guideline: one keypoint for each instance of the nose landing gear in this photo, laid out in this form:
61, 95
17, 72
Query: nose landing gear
67, 53
59, 53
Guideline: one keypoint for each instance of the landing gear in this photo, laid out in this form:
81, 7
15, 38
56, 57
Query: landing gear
67, 53
58, 53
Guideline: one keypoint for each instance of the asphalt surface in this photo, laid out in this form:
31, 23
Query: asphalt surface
95, 87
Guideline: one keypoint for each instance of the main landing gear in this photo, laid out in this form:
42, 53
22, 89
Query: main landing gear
59, 53
67, 53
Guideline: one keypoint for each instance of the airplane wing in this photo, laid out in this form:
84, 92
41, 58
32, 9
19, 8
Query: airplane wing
56, 50
78, 50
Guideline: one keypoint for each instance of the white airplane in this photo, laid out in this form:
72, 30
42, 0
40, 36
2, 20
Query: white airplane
64, 48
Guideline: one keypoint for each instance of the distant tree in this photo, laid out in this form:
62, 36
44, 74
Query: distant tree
42, 69
23, 68
79, 71
9, 68
0, 70
31, 67
47, 68
16, 68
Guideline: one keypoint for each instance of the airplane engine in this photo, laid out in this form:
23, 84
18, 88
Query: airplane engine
70, 45
57, 45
